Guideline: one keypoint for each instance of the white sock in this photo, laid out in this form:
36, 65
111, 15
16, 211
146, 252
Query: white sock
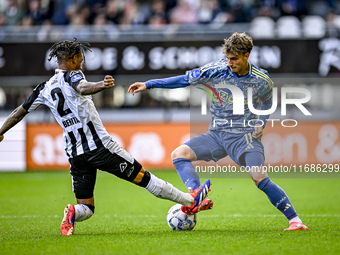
295, 219
82, 212
165, 190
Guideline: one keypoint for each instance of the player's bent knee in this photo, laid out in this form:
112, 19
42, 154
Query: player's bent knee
175, 154
182, 151
258, 180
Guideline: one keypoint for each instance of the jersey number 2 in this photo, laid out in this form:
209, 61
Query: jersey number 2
61, 102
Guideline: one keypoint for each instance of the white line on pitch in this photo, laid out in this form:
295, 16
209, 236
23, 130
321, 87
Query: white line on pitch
156, 216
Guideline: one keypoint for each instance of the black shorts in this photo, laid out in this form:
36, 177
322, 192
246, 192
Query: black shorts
84, 169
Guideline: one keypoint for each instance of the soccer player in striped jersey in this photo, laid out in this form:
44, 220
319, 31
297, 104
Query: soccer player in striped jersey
236, 136
88, 145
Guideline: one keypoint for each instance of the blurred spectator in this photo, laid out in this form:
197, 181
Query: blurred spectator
13, 13
59, 16
267, 8
157, 21
323, 8
183, 13
332, 5
2, 20
96, 6
158, 17
70, 12
65, 9
100, 20
2, 27
27, 22
296, 8
38, 13
132, 14
158, 10
114, 11
158, 6
102, 28
242, 10
209, 10
85, 11
333, 23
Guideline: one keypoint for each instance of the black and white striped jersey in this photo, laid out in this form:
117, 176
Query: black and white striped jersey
83, 130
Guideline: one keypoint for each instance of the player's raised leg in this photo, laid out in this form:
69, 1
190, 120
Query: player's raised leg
166, 190
276, 195
182, 157
124, 166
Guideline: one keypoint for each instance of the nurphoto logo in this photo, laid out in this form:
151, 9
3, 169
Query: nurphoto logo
237, 99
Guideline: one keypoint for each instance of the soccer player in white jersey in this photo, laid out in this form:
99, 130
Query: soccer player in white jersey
88, 145
241, 140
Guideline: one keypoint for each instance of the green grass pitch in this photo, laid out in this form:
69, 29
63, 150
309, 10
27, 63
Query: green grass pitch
129, 220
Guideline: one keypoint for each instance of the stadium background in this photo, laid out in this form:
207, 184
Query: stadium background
296, 41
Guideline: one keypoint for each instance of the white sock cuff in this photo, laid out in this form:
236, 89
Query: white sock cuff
295, 219
82, 212
155, 185
166, 190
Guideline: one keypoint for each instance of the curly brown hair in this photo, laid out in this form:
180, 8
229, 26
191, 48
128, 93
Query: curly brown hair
238, 44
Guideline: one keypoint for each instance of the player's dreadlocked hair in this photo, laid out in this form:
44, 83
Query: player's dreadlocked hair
237, 43
64, 50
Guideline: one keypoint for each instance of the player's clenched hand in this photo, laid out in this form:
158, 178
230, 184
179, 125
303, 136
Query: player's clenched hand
1, 137
109, 82
137, 87
258, 132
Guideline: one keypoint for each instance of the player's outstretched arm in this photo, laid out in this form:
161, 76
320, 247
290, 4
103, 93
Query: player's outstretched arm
87, 88
16, 116
137, 87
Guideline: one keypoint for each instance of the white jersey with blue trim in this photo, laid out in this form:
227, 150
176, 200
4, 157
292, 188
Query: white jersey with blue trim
215, 77
83, 130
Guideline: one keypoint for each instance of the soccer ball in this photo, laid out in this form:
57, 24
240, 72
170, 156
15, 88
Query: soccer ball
179, 221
